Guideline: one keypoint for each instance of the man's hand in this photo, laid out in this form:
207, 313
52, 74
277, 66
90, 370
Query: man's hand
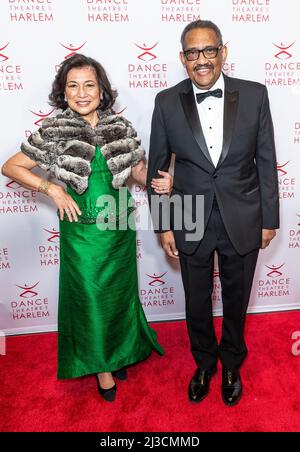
168, 243
267, 236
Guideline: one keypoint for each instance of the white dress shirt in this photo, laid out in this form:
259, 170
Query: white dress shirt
211, 113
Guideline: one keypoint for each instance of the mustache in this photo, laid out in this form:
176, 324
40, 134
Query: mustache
203, 66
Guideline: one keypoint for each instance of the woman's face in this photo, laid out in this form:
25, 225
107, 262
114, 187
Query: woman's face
82, 91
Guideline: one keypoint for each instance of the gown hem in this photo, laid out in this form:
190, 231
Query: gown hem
120, 365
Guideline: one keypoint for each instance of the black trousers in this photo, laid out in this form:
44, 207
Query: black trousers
236, 275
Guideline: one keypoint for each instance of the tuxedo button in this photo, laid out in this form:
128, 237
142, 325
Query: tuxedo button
215, 176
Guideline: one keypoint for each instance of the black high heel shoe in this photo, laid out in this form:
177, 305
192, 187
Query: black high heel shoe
121, 374
108, 394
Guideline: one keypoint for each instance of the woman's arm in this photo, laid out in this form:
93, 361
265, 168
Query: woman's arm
19, 168
161, 185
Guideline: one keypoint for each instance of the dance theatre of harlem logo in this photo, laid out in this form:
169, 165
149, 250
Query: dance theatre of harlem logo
14, 199
10, 71
30, 10
257, 11
141, 203
147, 71
294, 233
157, 293
28, 303
275, 284
49, 249
4, 259
217, 290
180, 10
70, 50
139, 254
284, 69
229, 67
38, 118
287, 183
297, 133
107, 10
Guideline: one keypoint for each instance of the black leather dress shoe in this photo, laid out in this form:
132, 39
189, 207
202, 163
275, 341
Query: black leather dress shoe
121, 374
108, 394
231, 386
199, 384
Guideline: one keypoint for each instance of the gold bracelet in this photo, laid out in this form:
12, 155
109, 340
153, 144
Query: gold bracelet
44, 186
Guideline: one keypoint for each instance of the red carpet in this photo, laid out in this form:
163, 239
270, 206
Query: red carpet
154, 398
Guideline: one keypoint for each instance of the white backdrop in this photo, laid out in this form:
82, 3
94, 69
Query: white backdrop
137, 41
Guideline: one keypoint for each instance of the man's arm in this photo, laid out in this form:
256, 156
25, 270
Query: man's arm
267, 167
267, 173
159, 152
159, 159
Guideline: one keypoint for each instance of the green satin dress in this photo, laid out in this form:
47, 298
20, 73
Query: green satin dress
101, 324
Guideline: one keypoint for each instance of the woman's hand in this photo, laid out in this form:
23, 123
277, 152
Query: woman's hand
64, 202
161, 185
164, 184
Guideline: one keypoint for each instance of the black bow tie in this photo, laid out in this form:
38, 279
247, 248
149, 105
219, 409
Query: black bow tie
216, 93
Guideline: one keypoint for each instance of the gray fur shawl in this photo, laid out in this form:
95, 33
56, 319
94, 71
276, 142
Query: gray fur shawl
65, 145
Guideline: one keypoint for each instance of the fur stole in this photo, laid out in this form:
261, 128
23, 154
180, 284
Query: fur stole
65, 144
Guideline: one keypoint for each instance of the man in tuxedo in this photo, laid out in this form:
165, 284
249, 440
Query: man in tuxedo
220, 130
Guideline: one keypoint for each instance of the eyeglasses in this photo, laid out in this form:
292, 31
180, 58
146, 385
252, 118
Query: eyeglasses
209, 53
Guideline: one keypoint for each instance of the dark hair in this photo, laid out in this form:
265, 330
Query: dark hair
201, 24
57, 95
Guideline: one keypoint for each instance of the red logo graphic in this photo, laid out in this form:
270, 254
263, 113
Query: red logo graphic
2, 56
274, 273
13, 185
41, 115
72, 49
146, 55
216, 273
54, 235
283, 54
157, 281
280, 168
28, 292
299, 217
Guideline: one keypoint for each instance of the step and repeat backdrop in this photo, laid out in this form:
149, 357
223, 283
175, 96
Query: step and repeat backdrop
138, 42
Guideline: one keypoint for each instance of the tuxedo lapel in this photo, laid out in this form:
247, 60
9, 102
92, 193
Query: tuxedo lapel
231, 100
191, 113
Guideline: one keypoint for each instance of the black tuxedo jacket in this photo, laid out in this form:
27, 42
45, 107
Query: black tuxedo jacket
244, 182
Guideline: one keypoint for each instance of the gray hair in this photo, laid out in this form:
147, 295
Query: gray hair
201, 24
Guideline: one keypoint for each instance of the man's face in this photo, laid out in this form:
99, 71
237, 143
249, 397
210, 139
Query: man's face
204, 72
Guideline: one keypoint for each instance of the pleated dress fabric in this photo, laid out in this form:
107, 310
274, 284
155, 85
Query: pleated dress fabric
101, 324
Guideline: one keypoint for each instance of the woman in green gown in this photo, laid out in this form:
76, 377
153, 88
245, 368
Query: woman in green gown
102, 327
